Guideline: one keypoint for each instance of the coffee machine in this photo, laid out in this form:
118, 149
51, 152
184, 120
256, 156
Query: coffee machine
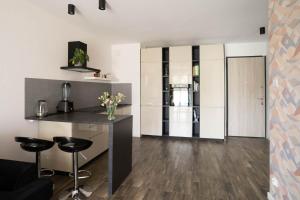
65, 105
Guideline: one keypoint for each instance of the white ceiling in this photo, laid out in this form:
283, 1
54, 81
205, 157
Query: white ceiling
159, 22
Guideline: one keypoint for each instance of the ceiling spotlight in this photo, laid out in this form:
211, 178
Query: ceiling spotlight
71, 9
262, 30
102, 4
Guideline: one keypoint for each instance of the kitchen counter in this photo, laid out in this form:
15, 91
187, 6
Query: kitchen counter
80, 117
89, 115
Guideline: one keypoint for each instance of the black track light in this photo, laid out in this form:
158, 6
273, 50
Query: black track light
71, 9
262, 30
102, 4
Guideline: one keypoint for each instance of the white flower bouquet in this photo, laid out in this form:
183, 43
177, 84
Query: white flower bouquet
111, 102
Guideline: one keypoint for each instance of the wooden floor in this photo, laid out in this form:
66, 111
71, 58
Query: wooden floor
183, 169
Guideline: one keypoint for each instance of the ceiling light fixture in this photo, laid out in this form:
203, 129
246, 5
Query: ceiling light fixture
71, 9
102, 4
262, 30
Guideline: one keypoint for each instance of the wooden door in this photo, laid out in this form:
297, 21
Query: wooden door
246, 96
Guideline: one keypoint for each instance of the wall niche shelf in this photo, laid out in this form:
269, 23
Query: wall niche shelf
165, 91
196, 91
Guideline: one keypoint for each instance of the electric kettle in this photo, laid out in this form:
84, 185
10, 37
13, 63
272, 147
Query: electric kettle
42, 109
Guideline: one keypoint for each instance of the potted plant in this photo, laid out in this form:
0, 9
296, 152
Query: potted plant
79, 57
111, 102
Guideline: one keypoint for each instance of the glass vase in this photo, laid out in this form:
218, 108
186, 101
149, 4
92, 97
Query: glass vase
111, 112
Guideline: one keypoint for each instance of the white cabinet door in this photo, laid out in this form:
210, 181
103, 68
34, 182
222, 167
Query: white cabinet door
151, 83
180, 121
180, 72
151, 91
151, 55
56, 159
212, 83
212, 89
212, 52
212, 124
180, 65
151, 120
181, 54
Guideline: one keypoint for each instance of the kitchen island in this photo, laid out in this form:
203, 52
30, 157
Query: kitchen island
75, 123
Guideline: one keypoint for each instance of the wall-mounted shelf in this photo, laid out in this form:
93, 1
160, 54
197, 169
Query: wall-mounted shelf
82, 69
97, 79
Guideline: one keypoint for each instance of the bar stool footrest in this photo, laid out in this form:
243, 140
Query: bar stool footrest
47, 172
86, 174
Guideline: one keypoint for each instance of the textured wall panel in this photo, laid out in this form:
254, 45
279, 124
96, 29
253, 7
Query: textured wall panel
284, 62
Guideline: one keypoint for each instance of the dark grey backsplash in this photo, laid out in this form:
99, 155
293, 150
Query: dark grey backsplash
124, 88
83, 94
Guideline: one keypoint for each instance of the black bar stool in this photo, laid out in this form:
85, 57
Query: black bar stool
37, 146
74, 146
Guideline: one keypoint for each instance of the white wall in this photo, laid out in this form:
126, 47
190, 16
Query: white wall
246, 49
34, 44
126, 69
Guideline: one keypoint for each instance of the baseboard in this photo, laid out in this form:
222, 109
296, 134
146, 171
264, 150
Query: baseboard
187, 138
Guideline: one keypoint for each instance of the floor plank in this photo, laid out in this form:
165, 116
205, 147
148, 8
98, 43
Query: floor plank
185, 169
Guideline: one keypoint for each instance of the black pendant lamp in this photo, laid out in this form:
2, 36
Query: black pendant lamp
102, 4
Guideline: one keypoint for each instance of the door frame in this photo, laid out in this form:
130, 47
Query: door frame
226, 92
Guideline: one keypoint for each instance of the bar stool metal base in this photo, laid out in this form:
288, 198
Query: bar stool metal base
42, 172
77, 194
74, 146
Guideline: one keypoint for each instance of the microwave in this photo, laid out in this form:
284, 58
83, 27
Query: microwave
181, 95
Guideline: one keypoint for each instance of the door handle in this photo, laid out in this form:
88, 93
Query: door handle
261, 99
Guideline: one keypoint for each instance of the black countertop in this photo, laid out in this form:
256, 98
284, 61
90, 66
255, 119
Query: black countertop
87, 115
98, 109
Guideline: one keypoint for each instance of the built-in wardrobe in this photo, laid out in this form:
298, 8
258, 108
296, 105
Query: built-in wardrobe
182, 91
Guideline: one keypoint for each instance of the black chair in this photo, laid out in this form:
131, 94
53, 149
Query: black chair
36, 146
74, 146
19, 181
